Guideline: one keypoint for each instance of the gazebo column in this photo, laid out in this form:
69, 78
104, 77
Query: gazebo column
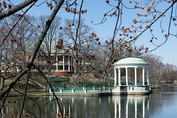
115, 76
143, 75
119, 77
135, 68
126, 75
63, 63
69, 63
56, 63
147, 76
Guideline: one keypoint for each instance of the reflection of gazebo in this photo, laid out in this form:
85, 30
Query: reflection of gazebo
131, 106
131, 76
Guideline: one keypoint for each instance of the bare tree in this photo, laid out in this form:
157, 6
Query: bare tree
160, 72
14, 48
82, 46
30, 64
169, 73
156, 68
148, 13
48, 49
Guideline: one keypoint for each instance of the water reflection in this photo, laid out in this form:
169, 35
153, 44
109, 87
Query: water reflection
81, 107
89, 107
162, 103
13, 105
107, 107
131, 106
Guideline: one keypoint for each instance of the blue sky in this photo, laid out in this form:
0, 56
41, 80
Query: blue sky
95, 12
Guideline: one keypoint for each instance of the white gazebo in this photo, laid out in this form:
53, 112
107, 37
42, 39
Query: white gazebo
131, 76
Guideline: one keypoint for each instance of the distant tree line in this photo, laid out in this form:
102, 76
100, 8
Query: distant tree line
159, 71
96, 51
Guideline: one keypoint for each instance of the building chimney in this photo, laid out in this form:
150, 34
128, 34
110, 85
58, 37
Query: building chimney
60, 44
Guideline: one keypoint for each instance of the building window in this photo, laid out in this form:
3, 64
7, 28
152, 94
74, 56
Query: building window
66, 67
60, 58
60, 67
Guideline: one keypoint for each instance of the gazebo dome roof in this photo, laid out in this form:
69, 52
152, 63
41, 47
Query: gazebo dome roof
131, 61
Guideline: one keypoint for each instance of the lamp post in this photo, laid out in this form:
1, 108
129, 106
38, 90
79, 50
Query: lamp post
62, 82
104, 82
108, 81
84, 83
74, 82
93, 83
99, 85
51, 81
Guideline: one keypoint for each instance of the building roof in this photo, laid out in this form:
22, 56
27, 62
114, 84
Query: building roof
131, 61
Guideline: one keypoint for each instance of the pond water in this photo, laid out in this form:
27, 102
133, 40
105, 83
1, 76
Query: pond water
162, 103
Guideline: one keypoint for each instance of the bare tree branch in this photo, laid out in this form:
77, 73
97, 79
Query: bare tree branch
133, 40
41, 38
21, 16
16, 8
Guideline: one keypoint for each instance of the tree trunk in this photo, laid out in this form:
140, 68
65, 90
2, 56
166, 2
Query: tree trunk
1, 83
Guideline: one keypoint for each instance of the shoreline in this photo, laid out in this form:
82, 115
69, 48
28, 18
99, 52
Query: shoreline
41, 92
